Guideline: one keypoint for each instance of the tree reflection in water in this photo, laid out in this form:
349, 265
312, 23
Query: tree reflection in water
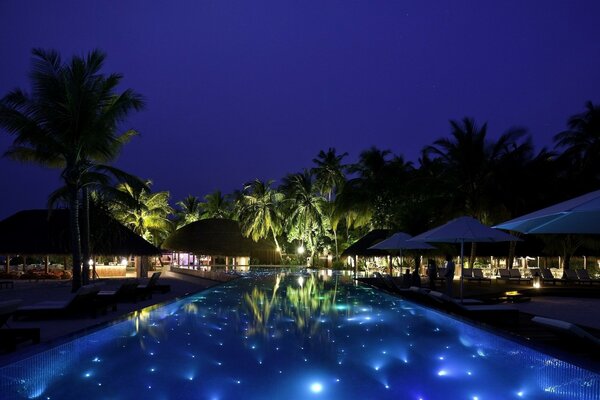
302, 306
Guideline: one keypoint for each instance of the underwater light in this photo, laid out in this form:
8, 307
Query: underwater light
316, 387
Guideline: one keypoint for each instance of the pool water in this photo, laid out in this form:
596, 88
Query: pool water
292, 336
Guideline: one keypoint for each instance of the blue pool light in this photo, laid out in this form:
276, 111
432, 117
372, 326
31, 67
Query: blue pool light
316, 387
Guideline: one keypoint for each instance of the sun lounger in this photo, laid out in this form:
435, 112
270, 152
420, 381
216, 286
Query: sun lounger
10, 337
81, 302
515, 276
477, 276
571, 276
548, 277
584, 276
472, 308
153, 286
503, 274
567, 328
126, 292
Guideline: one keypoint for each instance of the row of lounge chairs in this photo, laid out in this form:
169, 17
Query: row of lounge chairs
89, 300
496, 314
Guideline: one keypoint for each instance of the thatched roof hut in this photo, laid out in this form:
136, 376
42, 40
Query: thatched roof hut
46, 232
220, 237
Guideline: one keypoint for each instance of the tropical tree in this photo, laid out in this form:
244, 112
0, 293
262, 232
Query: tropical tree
374, 195
68, 121
470, 166
189, 211
259, 211
330, 179
215, 205
329, 172
304, 207
146, 213
473, 175
580, 145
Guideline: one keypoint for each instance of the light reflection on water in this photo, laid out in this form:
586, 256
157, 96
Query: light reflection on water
282, 337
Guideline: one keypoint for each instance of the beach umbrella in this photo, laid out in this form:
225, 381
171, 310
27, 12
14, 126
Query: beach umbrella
580, 215
398, 242
461, 230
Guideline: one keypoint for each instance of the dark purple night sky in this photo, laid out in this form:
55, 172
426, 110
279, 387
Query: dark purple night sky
238, 90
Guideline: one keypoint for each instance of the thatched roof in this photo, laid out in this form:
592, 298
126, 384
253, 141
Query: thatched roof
219, 237
46, 232
361, 246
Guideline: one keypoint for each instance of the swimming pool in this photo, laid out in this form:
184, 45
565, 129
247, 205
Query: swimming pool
294, 337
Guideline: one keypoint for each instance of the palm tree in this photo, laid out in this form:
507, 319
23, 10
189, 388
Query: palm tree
581, 146
374, 196
472, 175
259, 211
146, 213
305, 208
69, 122
329, 172
215, 206
470, 164
189, 211
330, 179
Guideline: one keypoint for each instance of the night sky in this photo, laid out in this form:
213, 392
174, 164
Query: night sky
238, 90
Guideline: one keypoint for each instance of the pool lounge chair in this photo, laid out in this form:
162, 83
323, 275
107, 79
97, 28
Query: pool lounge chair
515, 276
10, 337
548, 277
479, 311
584, 276
567, 328
152, 286
571, 276
477, 276
126, 292
81, 302
503, 274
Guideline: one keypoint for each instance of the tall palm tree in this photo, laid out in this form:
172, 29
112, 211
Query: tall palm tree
330, 179
473, 174
69, 121
146, 213
329, 172
305, 208
259, 211
189, 211
215, 205
470, 165
581, 145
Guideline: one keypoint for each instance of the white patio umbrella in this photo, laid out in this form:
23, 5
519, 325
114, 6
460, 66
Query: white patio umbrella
580, 215
399, 241
461, 230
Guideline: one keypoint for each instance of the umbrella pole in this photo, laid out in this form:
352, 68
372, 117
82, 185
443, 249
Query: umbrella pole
462, 245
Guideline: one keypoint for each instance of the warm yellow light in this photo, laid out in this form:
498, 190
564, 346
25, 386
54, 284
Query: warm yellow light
536, 285
301, 249
123, 261
513, 293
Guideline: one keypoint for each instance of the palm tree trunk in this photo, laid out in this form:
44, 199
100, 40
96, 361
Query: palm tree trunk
512, 248
277, 245
337, 256
473, 254
85, 235
75, 236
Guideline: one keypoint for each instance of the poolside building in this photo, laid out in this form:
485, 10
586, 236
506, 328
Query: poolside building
217, 243
44, 235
